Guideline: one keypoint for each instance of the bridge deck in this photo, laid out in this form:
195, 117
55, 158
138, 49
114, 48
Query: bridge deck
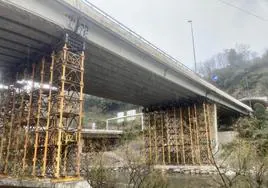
119, 64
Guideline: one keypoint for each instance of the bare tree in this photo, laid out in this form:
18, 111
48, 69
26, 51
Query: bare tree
241, 166
140, 172
94, 170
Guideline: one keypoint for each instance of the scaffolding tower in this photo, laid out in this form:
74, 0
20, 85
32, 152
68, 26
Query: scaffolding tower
41, 116
179, 135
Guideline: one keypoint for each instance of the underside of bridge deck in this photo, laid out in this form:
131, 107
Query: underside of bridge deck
115, 68
25, 38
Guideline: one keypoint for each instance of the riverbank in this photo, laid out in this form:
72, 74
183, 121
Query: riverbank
187, 169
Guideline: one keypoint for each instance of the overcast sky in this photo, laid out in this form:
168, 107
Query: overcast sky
216, 25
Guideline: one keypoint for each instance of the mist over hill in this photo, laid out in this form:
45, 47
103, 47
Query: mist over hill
238, 71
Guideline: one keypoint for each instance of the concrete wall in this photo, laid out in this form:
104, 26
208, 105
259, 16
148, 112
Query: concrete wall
226, 137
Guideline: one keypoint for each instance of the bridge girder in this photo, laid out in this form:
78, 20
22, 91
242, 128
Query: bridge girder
145, 75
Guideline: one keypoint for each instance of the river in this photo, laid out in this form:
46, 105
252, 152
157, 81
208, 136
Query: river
180, 181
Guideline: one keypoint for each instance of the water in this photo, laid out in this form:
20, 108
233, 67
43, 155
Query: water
179, 180
190, 181
193, 181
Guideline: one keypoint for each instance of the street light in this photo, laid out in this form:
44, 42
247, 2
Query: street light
191, 23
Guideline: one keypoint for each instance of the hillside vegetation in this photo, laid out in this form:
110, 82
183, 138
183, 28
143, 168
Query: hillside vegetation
239, 71
98, 109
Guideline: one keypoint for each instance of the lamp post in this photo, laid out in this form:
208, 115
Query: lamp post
192, 31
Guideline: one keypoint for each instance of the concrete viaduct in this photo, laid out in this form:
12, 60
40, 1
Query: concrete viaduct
181, 109
255, 99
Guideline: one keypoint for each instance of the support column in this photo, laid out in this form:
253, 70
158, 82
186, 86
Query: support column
191, 135
146, 137
60, 111
19, 125
150, 138
48, 122
63, 132
182, 137
81, 114
168, 136
176, 135
215, 122
155, 140
10, 128
29, 122
40, 118
198, 158
206, 119
163, 139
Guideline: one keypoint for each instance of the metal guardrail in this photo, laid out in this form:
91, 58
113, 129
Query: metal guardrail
101, 131
124, 117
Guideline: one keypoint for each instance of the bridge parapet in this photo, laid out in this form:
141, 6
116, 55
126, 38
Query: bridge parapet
255, 99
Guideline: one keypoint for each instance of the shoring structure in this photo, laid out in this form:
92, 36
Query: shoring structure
180, 135
62, 145
41, 116
14, 100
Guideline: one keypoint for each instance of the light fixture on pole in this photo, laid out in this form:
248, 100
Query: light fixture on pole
192, 31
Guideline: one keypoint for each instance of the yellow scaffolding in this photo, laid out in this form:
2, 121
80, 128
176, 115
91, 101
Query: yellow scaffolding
181, 134
42, 126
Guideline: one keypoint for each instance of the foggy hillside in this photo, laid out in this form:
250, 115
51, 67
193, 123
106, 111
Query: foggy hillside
239, 71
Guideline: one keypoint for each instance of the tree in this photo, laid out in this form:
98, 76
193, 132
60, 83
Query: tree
242, 166
95, 171
259, 111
